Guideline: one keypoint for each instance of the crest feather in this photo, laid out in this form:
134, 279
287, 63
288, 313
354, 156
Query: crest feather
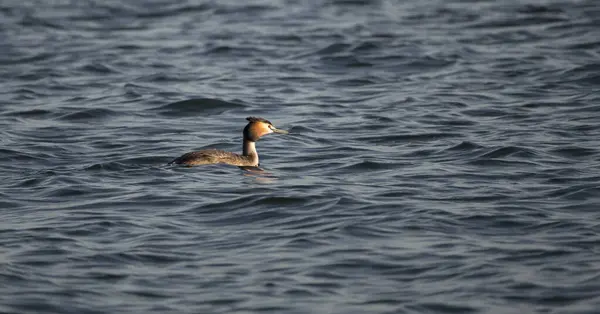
258, 119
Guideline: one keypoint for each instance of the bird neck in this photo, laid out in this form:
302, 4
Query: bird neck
250, 150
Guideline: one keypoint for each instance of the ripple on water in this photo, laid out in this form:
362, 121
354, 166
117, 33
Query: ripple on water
198, 106
87, 115
465, 146
403, 138
574, 151
31, 113
508, 151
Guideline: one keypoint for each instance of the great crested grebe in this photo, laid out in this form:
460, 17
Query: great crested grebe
256, 128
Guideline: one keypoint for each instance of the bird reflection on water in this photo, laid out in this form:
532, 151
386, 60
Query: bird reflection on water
259, 174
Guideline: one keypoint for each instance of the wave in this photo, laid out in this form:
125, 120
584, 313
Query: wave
198, 106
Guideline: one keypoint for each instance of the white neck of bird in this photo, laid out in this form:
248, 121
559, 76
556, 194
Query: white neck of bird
250, 150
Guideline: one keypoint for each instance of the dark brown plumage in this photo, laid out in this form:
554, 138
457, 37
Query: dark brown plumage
213, 156
258, 119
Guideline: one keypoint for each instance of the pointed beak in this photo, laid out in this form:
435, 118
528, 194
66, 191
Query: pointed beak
280, 131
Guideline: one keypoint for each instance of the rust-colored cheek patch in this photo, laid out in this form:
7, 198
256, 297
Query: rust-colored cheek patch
260, 129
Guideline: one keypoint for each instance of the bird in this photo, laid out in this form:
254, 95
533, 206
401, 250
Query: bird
254, 130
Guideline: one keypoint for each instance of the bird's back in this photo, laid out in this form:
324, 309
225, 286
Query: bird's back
213, 156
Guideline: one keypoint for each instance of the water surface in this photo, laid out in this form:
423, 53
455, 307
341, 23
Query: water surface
443, 157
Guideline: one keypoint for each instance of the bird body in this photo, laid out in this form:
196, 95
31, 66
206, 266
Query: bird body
254, 130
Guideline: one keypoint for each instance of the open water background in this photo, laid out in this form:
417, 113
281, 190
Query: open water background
444, 156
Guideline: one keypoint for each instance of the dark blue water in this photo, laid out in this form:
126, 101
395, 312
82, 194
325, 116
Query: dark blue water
444, 156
